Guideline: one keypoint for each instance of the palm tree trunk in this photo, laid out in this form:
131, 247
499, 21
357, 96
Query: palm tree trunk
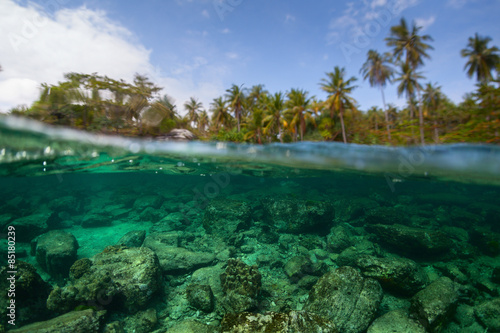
341, 114
279, 132
420, 118
386, 111
436, 132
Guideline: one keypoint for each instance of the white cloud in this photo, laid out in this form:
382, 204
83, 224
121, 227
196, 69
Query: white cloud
232, 55
39, 49
457, 4
289, 18
205, 13
225, 31
425, 22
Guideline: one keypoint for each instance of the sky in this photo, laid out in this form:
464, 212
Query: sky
199, 48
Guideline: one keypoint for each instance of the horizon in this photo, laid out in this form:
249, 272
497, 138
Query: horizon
205, 46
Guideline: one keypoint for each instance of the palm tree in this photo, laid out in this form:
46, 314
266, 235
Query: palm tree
192, 107
432, 99
255, 126
338, 89
378, 72
274, 119
236, 99
298, 111
220, 113
413, 47
481, 59
408, 85
203, 121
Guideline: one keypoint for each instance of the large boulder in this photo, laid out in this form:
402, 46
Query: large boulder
122, 277
88, 321
28, 227
241, 284
398, 275
223, 218
346, 298
175, 259
56, 252
395, 321
293, 321
435, 305
298, 216
416, 242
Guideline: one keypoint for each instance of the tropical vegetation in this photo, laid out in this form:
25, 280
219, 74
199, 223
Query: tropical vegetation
252, 114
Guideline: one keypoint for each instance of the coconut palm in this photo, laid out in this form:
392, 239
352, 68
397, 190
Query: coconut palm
236, 98
481, 59
409, 44
203, 121
432, 98
408, 83
339, 89
193, 106
220, 114
378, 72
274, 119
298, 111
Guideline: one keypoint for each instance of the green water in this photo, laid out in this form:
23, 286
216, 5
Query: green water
69, 175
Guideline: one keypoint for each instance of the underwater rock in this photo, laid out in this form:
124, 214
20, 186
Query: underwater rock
495, 275
446, 198
435, 305
200, 297
67, 203
88, 321
31, 294
488, 314
141, 322
346, 298
298, 216
175, 259
350, 210
487, 241
241, 285
150, 214
56, 252
387, 215
416, 242
293, 321
349, 256
94, 220
300, 267
399, 275
339, 238
224, 218
133, 238
145, 201
28, 227
119, 276
192, 326
395, 321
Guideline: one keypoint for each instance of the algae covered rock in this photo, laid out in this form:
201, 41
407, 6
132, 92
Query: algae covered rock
241, 284
133, 238
346, 298
56, 252
415, 242
141, 322
31, 293
28, 227
297, 216
399, 275
225, 217
200, 297
293, 321
435, 305
488, 314
175, 259
395, 321
121, 277
88, 321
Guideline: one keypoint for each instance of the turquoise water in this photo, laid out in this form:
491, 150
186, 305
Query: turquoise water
266, 205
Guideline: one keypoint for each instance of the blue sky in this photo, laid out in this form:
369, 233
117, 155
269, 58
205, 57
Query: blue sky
200, 47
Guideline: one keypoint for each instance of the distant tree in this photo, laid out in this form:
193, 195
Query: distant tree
339, 89
481, 59
378, 72
274, 117
236, 99
193, 106
432, 98
220, 114
413, 47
